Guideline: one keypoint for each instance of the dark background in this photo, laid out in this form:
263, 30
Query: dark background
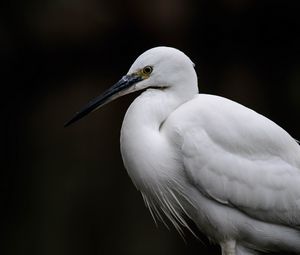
64, 190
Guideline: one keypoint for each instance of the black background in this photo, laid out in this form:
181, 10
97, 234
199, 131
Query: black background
65, 191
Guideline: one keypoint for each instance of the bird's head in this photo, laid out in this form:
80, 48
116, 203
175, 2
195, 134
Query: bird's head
158, 68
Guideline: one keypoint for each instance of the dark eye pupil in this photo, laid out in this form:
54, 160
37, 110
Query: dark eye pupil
148, 69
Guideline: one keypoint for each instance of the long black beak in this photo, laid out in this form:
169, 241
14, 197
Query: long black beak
112, 93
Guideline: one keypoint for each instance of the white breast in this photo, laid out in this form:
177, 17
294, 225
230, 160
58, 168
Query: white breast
154, 166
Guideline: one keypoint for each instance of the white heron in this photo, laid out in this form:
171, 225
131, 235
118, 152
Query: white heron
234, 172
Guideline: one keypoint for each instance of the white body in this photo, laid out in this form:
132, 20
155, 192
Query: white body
238, 170
235, 173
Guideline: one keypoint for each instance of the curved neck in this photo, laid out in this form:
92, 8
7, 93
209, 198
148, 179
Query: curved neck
144, 148
151, 109
154, 106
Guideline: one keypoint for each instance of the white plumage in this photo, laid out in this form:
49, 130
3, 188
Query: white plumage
235, 173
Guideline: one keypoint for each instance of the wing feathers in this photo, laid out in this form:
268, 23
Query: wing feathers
239, 158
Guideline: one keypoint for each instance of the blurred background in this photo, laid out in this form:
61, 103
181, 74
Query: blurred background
64, 190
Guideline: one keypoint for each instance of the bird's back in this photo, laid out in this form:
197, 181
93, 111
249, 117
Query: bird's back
239, 160
235, 127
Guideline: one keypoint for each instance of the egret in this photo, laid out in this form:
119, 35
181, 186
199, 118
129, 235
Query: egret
234, 172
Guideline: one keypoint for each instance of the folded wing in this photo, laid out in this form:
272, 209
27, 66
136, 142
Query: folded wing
239, 158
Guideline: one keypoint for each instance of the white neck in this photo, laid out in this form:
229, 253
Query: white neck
144, 149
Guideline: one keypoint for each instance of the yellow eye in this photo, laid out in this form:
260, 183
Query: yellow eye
147, 70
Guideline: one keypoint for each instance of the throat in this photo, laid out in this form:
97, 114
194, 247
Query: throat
146, 151
151, 109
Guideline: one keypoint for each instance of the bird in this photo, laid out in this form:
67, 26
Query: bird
205, 158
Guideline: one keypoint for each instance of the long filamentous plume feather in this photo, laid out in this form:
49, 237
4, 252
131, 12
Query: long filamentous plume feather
165, 202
